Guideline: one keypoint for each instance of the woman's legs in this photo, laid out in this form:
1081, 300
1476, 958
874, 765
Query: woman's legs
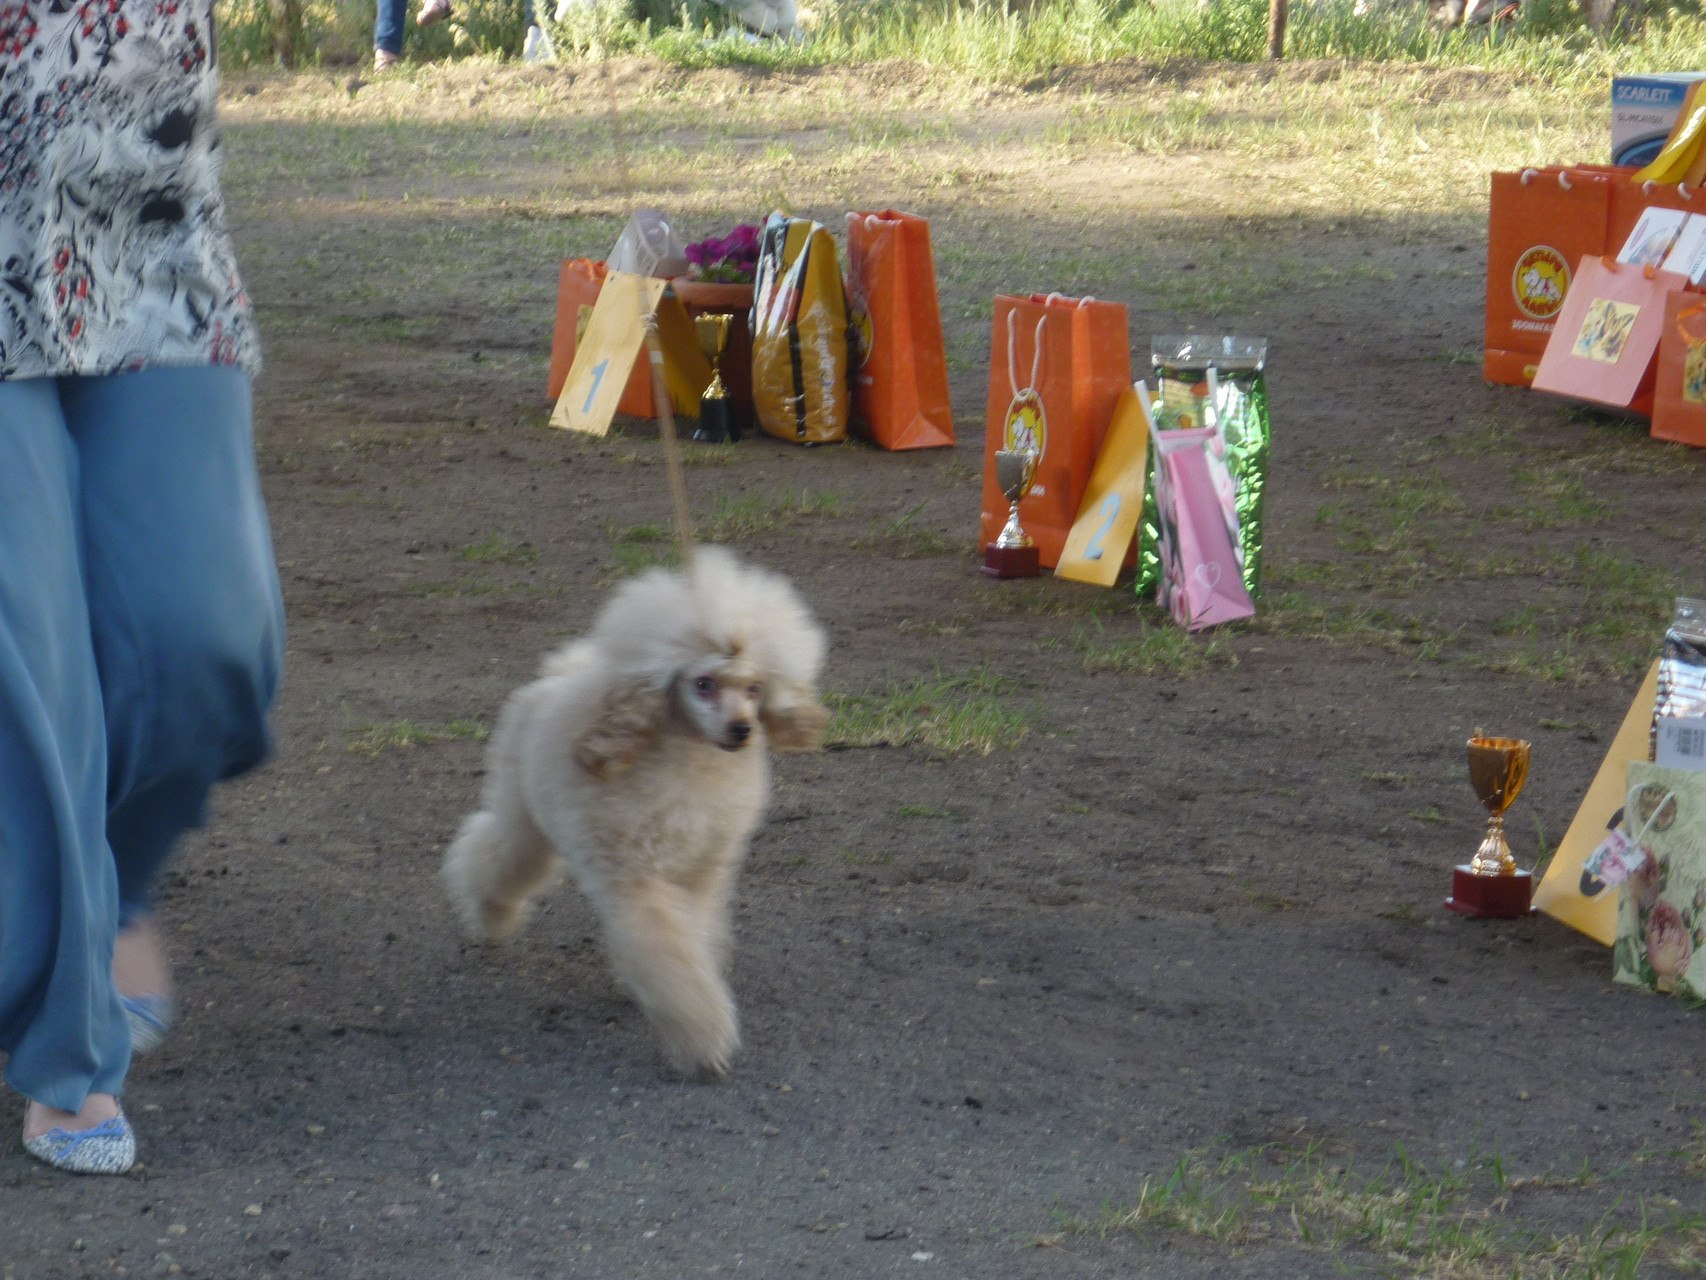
60, 1021
140, 646
183, 599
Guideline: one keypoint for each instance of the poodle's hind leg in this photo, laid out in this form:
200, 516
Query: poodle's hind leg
497, 862
665, 954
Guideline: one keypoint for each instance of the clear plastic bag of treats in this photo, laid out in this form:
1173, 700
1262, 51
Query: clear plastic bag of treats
1678, 738
1239, 412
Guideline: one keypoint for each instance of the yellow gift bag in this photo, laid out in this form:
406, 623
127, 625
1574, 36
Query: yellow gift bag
799, 334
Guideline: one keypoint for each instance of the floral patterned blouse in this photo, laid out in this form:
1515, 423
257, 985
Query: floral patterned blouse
114, 253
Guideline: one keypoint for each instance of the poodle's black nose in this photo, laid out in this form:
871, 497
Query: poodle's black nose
740, 731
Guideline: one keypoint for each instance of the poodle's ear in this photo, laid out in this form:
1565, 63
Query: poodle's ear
795, 725
628, 720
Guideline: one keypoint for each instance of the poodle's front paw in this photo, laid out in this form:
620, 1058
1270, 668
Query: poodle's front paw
700, 1043
494, 922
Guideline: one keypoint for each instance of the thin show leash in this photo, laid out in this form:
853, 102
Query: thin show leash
654, 346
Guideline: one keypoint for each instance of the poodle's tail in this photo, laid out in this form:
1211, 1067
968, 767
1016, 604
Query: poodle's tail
492, 869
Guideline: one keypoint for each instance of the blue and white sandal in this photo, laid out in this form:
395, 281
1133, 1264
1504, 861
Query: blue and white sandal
110, 1147
151, 1017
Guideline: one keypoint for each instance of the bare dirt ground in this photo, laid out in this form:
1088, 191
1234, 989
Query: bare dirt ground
1186, 915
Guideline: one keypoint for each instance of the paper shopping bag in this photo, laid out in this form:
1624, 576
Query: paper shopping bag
1200, 581
1607, 337
799, 334
900, 368
1661, 915
686, 371
1679, 383
1540, 223
1056, 371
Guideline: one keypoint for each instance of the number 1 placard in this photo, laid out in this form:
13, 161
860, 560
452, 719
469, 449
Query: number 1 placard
1113, 501
606, 354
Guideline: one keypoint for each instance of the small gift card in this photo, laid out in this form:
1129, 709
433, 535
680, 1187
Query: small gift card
1687, 257
1617, 858
1652, 237
1681, 742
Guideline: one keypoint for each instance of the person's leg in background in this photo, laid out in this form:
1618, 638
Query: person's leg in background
61, 1025
388, 24
187, 622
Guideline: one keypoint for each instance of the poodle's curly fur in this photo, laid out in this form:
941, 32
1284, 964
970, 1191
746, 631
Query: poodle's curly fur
640, 756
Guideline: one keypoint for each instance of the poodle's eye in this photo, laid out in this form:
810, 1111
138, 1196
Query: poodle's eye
705, 684
755, 690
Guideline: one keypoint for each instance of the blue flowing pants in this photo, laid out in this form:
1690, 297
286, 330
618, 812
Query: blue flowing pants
141, 637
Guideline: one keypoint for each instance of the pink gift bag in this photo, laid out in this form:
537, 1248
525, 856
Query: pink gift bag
1200, 582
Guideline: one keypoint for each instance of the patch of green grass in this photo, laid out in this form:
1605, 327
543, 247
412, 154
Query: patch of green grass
1431, 814
469, 588
1152, 650
376, 739
967, 712
1405, 914
1559, 498
738, 516
902, 539
921, 811
500, 548
1462, 1222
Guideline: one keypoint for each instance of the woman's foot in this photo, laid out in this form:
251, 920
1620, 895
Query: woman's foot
432, 11
384, 59
94, 1139
144, 982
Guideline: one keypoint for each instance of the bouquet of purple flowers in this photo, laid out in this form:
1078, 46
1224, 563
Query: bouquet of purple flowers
730, 259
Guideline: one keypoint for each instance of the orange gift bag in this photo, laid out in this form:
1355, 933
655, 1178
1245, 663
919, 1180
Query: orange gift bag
1608, 334
1057, 368
1540, 223
900, 370
1679, 386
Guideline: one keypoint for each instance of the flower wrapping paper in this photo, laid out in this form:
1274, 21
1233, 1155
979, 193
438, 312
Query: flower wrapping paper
1661, 916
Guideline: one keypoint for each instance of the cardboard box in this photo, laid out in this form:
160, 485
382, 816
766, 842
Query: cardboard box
1643, 109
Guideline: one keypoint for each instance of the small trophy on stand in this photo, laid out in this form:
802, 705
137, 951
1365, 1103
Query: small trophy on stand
1013, 554
1489, 886
716, 421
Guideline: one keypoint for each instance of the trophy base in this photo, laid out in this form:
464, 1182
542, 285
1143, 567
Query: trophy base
1491, 897
1012, 562
716, 423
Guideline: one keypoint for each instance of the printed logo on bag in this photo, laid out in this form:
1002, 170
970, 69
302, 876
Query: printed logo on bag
1027, 425
1540, 281
858, 330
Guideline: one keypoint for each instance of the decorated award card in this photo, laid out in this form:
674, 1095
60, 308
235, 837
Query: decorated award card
1652, 237
606, 353
1568, 892
1107, 517
1687, 256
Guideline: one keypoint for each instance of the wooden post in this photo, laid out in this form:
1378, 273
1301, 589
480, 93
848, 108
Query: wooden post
1276, 29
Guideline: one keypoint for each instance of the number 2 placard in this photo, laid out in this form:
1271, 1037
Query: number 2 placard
1096, 548
606, 354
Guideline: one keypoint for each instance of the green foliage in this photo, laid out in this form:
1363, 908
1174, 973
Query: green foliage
1001, 42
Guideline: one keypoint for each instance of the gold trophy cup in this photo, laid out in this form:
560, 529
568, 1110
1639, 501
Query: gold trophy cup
1013, 554
1489, 886
716, 423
